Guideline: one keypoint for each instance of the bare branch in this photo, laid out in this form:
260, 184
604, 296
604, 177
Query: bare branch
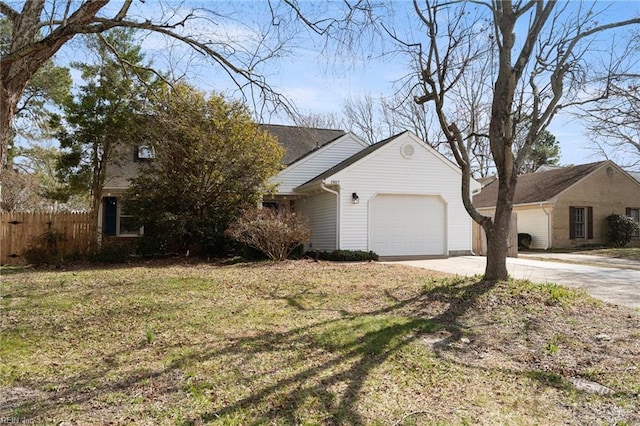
123, 10
9, 12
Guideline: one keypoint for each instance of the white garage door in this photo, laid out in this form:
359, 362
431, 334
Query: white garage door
407, 225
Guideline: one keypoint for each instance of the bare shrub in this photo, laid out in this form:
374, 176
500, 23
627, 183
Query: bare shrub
274, 233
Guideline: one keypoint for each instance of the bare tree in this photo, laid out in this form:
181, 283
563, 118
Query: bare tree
319, 121
42, 27
361, 115
544, 56
376, 118
613, 125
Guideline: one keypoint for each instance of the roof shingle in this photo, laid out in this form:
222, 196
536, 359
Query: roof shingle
539, 186
300, 141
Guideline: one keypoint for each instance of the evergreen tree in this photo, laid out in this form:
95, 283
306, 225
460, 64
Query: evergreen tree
211, 161
103, 119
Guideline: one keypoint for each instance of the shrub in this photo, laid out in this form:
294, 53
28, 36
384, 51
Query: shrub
345, 255
621, 229
113, 251
524, 241
275, 233
151, 246
46, 249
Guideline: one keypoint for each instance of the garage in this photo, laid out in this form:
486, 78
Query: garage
407, 225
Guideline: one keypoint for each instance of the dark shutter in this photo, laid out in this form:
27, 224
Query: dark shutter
628, 211
110, 216
572, 223
589, 223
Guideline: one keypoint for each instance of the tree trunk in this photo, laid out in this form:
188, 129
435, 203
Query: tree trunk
498, 231
8, 101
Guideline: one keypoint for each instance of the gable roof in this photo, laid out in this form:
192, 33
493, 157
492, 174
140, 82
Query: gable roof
354, 158
300, 141
539, 186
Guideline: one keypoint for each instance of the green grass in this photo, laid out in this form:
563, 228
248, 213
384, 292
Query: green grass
307, 343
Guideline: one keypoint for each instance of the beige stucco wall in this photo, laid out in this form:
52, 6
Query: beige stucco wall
606, 193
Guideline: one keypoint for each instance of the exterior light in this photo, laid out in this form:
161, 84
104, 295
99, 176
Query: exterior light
354, 198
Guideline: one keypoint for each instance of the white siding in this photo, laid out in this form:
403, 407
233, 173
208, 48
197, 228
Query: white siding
317, 163
387, 171
407, 225
321, 210
534, 221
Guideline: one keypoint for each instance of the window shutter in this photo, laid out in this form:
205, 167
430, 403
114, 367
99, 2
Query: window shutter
572, 223
628, 211
590, 223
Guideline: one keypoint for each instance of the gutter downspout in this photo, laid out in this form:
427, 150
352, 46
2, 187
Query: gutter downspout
337, 194
548, 226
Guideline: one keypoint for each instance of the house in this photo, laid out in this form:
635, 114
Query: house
398, 197
566, 207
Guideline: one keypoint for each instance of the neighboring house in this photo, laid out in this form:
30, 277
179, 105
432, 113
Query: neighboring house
566, 207
398, 197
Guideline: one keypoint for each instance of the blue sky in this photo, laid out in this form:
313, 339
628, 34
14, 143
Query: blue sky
319, 83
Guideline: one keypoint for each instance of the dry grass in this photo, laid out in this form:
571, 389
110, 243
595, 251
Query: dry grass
308, 343
618, 253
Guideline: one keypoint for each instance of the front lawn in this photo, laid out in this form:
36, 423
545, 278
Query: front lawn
619, 253
309, 343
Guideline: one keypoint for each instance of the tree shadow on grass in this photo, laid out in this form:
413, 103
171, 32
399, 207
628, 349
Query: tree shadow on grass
343, 353
379, 336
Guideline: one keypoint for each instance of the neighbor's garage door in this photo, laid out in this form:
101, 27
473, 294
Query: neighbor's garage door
407, 225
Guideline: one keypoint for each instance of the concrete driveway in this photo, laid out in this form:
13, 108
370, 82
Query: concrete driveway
611, 281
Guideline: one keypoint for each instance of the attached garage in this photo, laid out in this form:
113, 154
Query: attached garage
398, 198
407, 225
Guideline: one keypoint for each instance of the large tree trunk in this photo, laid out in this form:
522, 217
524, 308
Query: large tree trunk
498, 231
27, 53
8, 103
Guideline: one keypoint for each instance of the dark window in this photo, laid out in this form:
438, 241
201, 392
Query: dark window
270, 205
127, 224
580, 222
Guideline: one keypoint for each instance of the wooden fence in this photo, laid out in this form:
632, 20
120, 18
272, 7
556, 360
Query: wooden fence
480, 239
19, 230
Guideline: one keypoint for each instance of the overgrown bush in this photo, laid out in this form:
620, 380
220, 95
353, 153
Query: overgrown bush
46, 249
524, 241
621, 229
113, 251
275, 233
345, 255
151, 245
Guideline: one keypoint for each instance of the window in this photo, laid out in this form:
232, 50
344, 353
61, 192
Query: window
117, 222
126, 223
144, 153
580, 222
635, 215
270, 205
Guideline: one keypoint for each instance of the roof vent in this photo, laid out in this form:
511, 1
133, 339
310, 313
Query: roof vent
408, 150
610, 171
